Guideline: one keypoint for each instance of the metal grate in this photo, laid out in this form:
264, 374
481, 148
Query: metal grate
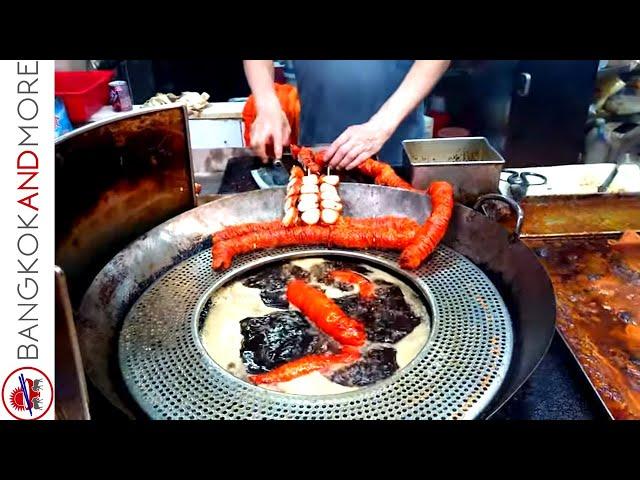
455, 375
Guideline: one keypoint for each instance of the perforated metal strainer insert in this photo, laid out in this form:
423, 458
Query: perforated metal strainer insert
455, 375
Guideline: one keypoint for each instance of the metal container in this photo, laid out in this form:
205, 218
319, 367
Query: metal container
470, 164
578, 216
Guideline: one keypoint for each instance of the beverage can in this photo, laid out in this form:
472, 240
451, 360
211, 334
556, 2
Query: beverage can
119, 96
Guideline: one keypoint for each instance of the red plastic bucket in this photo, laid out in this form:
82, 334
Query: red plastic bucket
83, 93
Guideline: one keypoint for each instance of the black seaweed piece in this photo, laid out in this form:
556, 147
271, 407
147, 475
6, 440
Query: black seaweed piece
387, 317
277, 338
377, 364
272, 282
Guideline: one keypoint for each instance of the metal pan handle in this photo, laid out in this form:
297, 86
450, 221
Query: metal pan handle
515, 208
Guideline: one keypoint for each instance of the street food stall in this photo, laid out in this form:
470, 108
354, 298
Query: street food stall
196, 283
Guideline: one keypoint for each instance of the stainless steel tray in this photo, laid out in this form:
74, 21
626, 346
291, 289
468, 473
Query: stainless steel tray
471, 164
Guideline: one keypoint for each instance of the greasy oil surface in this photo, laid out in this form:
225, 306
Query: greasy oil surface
598, 313
578, 215
255, 295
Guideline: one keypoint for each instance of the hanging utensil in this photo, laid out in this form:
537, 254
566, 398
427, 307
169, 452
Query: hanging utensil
609, 180
276, 172
519, 183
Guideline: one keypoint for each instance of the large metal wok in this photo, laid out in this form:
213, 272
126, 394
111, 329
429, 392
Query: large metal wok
490, 299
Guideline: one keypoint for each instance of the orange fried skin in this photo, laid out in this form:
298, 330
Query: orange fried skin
366, 288
244, 228
296, 172
383, 174
433, 230
386, 233
308, 158
325, 313
303, 366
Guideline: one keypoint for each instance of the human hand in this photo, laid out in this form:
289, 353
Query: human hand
270, 130
356, 144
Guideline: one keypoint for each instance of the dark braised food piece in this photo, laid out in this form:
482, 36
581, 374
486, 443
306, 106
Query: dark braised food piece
375, 365
272, 282
387, 317
277, 338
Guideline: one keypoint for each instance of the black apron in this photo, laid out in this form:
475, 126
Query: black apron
335, 94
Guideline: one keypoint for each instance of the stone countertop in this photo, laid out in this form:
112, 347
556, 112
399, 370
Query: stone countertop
214, 111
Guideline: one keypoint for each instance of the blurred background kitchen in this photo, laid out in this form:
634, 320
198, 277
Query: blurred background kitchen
536, 113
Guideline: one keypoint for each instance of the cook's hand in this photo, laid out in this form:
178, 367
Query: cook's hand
356, 144
270, 128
